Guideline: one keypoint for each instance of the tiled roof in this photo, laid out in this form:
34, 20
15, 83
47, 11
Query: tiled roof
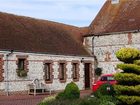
33, 35
124, 16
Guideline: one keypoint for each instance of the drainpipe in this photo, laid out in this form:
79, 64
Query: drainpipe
93, 53
7, 69
93, 45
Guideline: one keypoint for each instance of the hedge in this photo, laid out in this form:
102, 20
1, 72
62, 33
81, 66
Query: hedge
129, 68
128, 55
127, 90
127, 78
130, 100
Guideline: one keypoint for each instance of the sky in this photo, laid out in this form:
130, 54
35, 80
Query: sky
73, 12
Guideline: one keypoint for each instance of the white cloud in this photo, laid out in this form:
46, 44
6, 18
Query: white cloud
68, 11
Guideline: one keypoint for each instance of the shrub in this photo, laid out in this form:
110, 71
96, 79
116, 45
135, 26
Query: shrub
47, 100
128, 82
83, 101
72, 91
128, 55
129, 68
90, 101
98, 71
104, 102
61, 102
109, 100
130, 100
105, 89
60, 95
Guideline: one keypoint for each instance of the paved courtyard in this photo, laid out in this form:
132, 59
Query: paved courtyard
28, 99
21, 99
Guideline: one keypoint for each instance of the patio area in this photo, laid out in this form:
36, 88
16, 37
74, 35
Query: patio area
30, 99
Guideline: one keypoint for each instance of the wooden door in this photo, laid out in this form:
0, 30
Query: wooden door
87, 75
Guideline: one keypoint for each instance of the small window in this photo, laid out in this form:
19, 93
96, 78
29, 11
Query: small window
47, 72
114, 1
1, 69
21, 64
74, 69
62, 71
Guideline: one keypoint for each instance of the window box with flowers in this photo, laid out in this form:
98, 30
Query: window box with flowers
22, 66
21, 73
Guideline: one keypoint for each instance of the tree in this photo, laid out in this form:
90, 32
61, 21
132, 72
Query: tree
128, 81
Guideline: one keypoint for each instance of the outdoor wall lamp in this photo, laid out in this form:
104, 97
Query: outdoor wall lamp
82, 60
11, 52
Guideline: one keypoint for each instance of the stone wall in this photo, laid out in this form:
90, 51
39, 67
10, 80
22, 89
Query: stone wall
105, 47
35, 70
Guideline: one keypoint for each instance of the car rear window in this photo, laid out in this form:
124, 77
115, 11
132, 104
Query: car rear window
103, 78
107, 78
111, 78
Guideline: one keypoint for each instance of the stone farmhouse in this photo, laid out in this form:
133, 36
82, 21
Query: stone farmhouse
44, 50
57, 54
117, 25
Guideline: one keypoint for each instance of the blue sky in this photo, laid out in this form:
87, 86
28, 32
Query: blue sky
73, 12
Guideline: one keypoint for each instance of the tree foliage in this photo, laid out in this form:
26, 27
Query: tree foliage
128, 81
129, 68
128, 55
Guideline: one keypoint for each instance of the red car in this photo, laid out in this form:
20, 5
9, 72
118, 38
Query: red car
105, 78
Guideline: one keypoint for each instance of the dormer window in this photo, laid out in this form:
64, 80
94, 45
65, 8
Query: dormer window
114, 1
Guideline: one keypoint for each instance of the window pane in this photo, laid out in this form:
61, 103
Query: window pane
47, 72
21, 64
62, 73
110, 78
74, 71
103, 78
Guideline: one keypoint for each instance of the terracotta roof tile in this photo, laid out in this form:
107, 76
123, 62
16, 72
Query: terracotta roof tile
124, 16
33, 35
